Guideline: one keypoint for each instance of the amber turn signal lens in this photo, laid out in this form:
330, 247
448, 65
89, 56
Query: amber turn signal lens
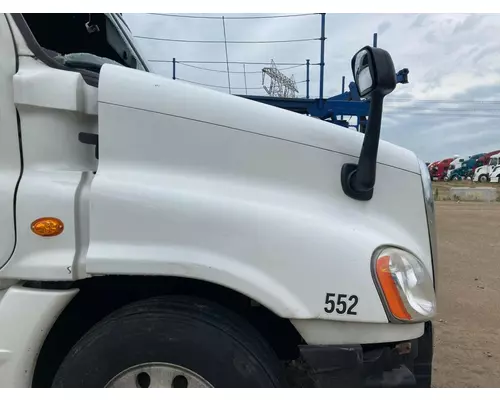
390, 290
47, 226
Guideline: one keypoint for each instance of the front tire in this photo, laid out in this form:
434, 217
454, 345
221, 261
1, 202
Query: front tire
158, 342
483, 178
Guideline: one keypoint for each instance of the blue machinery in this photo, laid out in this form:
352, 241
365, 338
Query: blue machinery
333, 109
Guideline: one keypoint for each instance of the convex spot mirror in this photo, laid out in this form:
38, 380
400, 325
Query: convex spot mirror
373, 71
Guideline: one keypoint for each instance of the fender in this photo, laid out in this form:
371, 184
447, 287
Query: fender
248, 207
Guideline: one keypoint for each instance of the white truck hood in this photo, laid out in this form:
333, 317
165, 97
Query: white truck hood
150, 92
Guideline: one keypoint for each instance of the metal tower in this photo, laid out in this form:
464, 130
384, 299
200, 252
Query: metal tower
280, 84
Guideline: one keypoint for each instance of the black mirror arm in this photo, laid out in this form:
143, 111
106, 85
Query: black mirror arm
364, 178
358, 180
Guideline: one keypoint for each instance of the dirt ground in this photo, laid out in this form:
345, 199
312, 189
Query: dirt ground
467, 339
441, 190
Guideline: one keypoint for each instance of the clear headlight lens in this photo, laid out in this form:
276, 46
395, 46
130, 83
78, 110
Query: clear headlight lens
405, 285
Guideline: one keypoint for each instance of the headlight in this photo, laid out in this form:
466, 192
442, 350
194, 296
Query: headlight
431, 215
404, 285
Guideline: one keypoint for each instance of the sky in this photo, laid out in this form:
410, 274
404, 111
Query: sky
451, 105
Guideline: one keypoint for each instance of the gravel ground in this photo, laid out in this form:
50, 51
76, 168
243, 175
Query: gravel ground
467, 340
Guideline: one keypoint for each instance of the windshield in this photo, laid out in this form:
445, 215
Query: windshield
85, 41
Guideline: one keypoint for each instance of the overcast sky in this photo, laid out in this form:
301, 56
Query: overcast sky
451, 105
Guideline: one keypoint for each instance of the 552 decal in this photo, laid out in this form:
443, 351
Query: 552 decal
341, 303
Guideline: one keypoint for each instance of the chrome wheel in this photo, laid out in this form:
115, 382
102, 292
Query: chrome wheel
158, 375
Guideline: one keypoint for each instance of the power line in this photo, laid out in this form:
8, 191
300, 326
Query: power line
245, 78
445, 111
216, 70
409, 99
222, 87
455, 108
227, 57
230, 62
217, 86
441, 115
295, 66
229, 41
232, 72
246, 17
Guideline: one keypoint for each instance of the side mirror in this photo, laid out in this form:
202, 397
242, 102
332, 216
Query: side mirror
373, 72
375, 78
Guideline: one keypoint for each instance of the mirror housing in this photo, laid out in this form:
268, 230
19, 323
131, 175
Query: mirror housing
375, 78
373, 72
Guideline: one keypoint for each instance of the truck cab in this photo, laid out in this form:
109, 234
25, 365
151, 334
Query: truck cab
431, 165
158, 234
482, 173
456, 163
466, 170
439, 169
485, 159
495, 174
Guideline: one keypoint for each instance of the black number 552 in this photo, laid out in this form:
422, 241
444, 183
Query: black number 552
341, 303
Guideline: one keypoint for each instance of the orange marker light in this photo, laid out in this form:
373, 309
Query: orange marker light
390, 290
47, 226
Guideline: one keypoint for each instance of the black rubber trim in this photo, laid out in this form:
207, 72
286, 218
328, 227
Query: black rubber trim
347, 174
50, 285
21, 161
90, 138
89, 77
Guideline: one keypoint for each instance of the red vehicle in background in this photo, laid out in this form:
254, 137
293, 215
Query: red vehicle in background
438, 169
484, 160
431, 165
